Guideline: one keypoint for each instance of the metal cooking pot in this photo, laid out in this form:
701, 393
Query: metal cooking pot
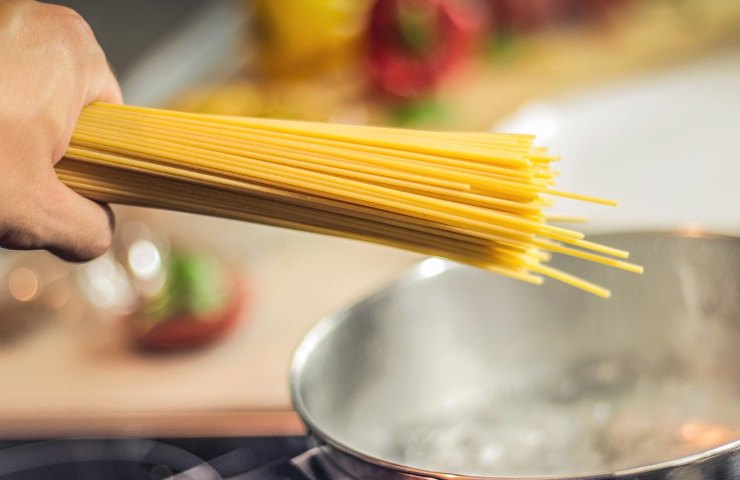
454, 372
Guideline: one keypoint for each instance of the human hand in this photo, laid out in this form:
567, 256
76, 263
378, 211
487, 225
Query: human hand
51, 66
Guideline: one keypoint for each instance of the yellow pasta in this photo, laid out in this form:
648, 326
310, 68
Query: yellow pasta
476, 198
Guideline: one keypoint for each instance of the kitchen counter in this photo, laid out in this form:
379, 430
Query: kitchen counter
84, 376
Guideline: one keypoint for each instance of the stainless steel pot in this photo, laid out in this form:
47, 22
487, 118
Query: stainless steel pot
454, 372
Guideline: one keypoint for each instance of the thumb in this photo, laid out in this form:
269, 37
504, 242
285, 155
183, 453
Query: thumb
75, 228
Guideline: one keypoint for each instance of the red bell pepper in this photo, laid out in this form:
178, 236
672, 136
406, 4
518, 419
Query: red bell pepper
415, 44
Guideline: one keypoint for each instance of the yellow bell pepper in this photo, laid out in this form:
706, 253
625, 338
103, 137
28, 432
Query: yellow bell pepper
297, 38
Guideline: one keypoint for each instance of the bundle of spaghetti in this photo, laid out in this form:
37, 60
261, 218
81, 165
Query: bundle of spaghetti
475, 198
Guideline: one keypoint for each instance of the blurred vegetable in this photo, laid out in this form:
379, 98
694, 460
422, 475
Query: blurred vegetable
187, 331
517, 16
596, 10
199, 303
525, 16
416, 113
415, 44
301, 37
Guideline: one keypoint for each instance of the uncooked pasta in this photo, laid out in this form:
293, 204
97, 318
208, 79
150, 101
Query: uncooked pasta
476, 198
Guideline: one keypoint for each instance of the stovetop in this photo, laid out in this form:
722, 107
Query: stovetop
230, 458
251, 458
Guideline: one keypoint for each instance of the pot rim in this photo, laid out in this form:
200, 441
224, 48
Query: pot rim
415, 273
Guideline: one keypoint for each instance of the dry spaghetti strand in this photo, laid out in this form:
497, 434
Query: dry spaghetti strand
475, 198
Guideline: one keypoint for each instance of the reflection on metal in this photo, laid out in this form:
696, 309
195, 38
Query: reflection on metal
705, 435
431, 267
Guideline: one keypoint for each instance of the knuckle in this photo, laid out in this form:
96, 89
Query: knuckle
70, 23
87, 247
80, 29
99, 241
100, 245
60, 10
81, 252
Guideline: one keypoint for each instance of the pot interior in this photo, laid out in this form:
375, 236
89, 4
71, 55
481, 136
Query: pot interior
458, 370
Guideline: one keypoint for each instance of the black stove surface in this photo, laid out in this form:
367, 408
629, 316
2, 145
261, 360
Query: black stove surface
230, 458
149, 459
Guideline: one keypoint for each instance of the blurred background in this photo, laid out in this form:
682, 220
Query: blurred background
187, 326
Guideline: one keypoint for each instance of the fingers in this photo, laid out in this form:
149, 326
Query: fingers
40, 212
79, 229
75, 228
98, 84
105, 86
52, 68
111, 90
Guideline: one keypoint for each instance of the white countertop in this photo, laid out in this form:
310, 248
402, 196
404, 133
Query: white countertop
665, 145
